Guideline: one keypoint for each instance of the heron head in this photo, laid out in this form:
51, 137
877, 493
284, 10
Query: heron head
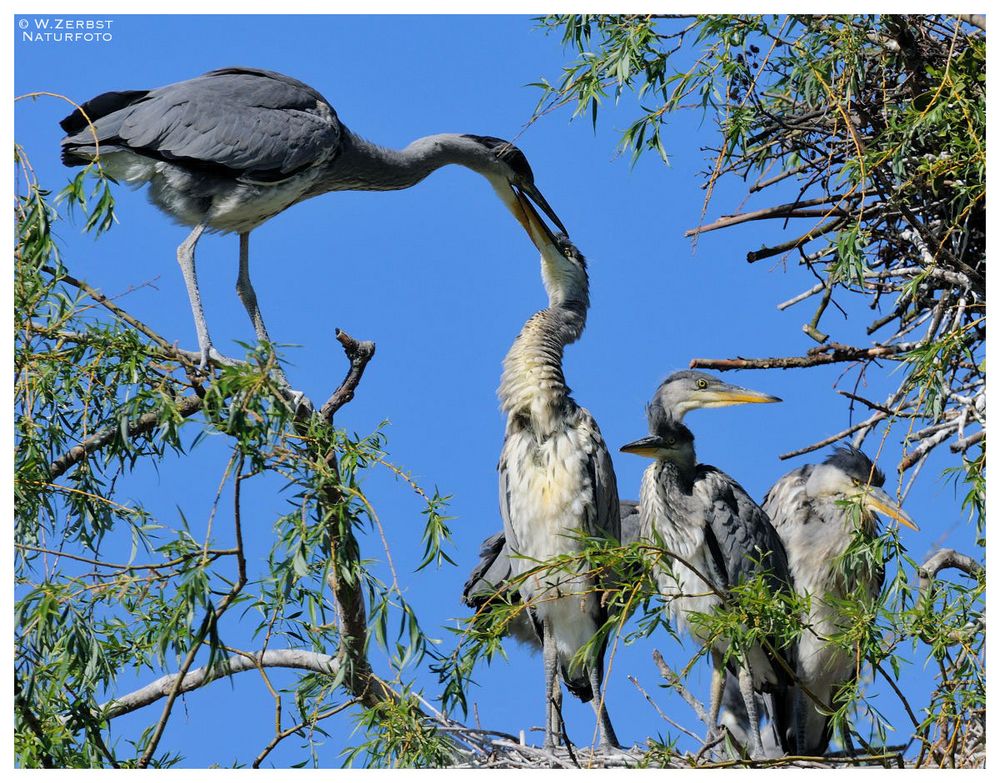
508, 170
671, 441
688, 390
849, 474
564, 270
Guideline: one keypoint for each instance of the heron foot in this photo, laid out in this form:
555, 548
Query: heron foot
210, 356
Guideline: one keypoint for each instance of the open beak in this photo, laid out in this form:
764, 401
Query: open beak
650, 446
728, 394
526, 214
876, 499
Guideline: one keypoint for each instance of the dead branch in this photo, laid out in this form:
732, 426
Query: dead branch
675, 682
976, 20
831, 353
792, 209
359, 353
824, 228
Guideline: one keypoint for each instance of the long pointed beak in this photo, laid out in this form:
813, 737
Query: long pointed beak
536, 196
729, 394
532, 222
876, 499
650, 446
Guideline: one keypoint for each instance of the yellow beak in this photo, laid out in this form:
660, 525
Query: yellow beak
526, 214
728, 394
877, 500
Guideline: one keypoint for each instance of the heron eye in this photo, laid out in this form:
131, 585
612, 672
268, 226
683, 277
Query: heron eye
702, 383
671, 441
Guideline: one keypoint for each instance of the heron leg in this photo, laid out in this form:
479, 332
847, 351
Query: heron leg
609, 740
715, 693
553, 689
185, 257
244, 288
247, 295
800, 721
756, 748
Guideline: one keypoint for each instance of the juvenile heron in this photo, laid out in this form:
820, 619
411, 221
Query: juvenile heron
491, 576
815, 509
228, 150
556, 483
719, 538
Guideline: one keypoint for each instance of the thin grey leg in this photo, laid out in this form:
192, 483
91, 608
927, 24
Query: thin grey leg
756, 748
244, 288
800, 721
609, 740
715, 693
185, 257
553, 690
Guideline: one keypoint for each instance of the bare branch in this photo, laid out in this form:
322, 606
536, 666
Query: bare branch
792, 209
359, 353
197, 678
942, 559
831, 353
814, 233
675, 682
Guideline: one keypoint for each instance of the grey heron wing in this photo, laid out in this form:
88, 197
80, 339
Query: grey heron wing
503, 473
607, 518
630, 520
490, 574
747, 540
255, 124
786, 502
748, 544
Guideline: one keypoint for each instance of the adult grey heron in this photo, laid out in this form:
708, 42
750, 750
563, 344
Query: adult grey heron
818, 510
228, 150
556, 483
718, 537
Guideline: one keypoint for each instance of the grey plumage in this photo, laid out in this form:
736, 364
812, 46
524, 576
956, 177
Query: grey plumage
228, 150
807, 508
490, 577
556, 482
717, 535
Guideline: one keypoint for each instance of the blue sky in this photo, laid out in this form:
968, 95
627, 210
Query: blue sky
442, 278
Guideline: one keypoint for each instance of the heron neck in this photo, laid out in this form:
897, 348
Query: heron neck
362, 165
676, 471
532, 383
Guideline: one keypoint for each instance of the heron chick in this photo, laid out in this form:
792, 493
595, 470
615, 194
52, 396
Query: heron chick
229, 150
717, 535
557, 484
818, 510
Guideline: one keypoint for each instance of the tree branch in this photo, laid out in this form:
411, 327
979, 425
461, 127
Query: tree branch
791, 244
942, 559
792, 209
831, 353
359, 353
186, 407
197, 678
